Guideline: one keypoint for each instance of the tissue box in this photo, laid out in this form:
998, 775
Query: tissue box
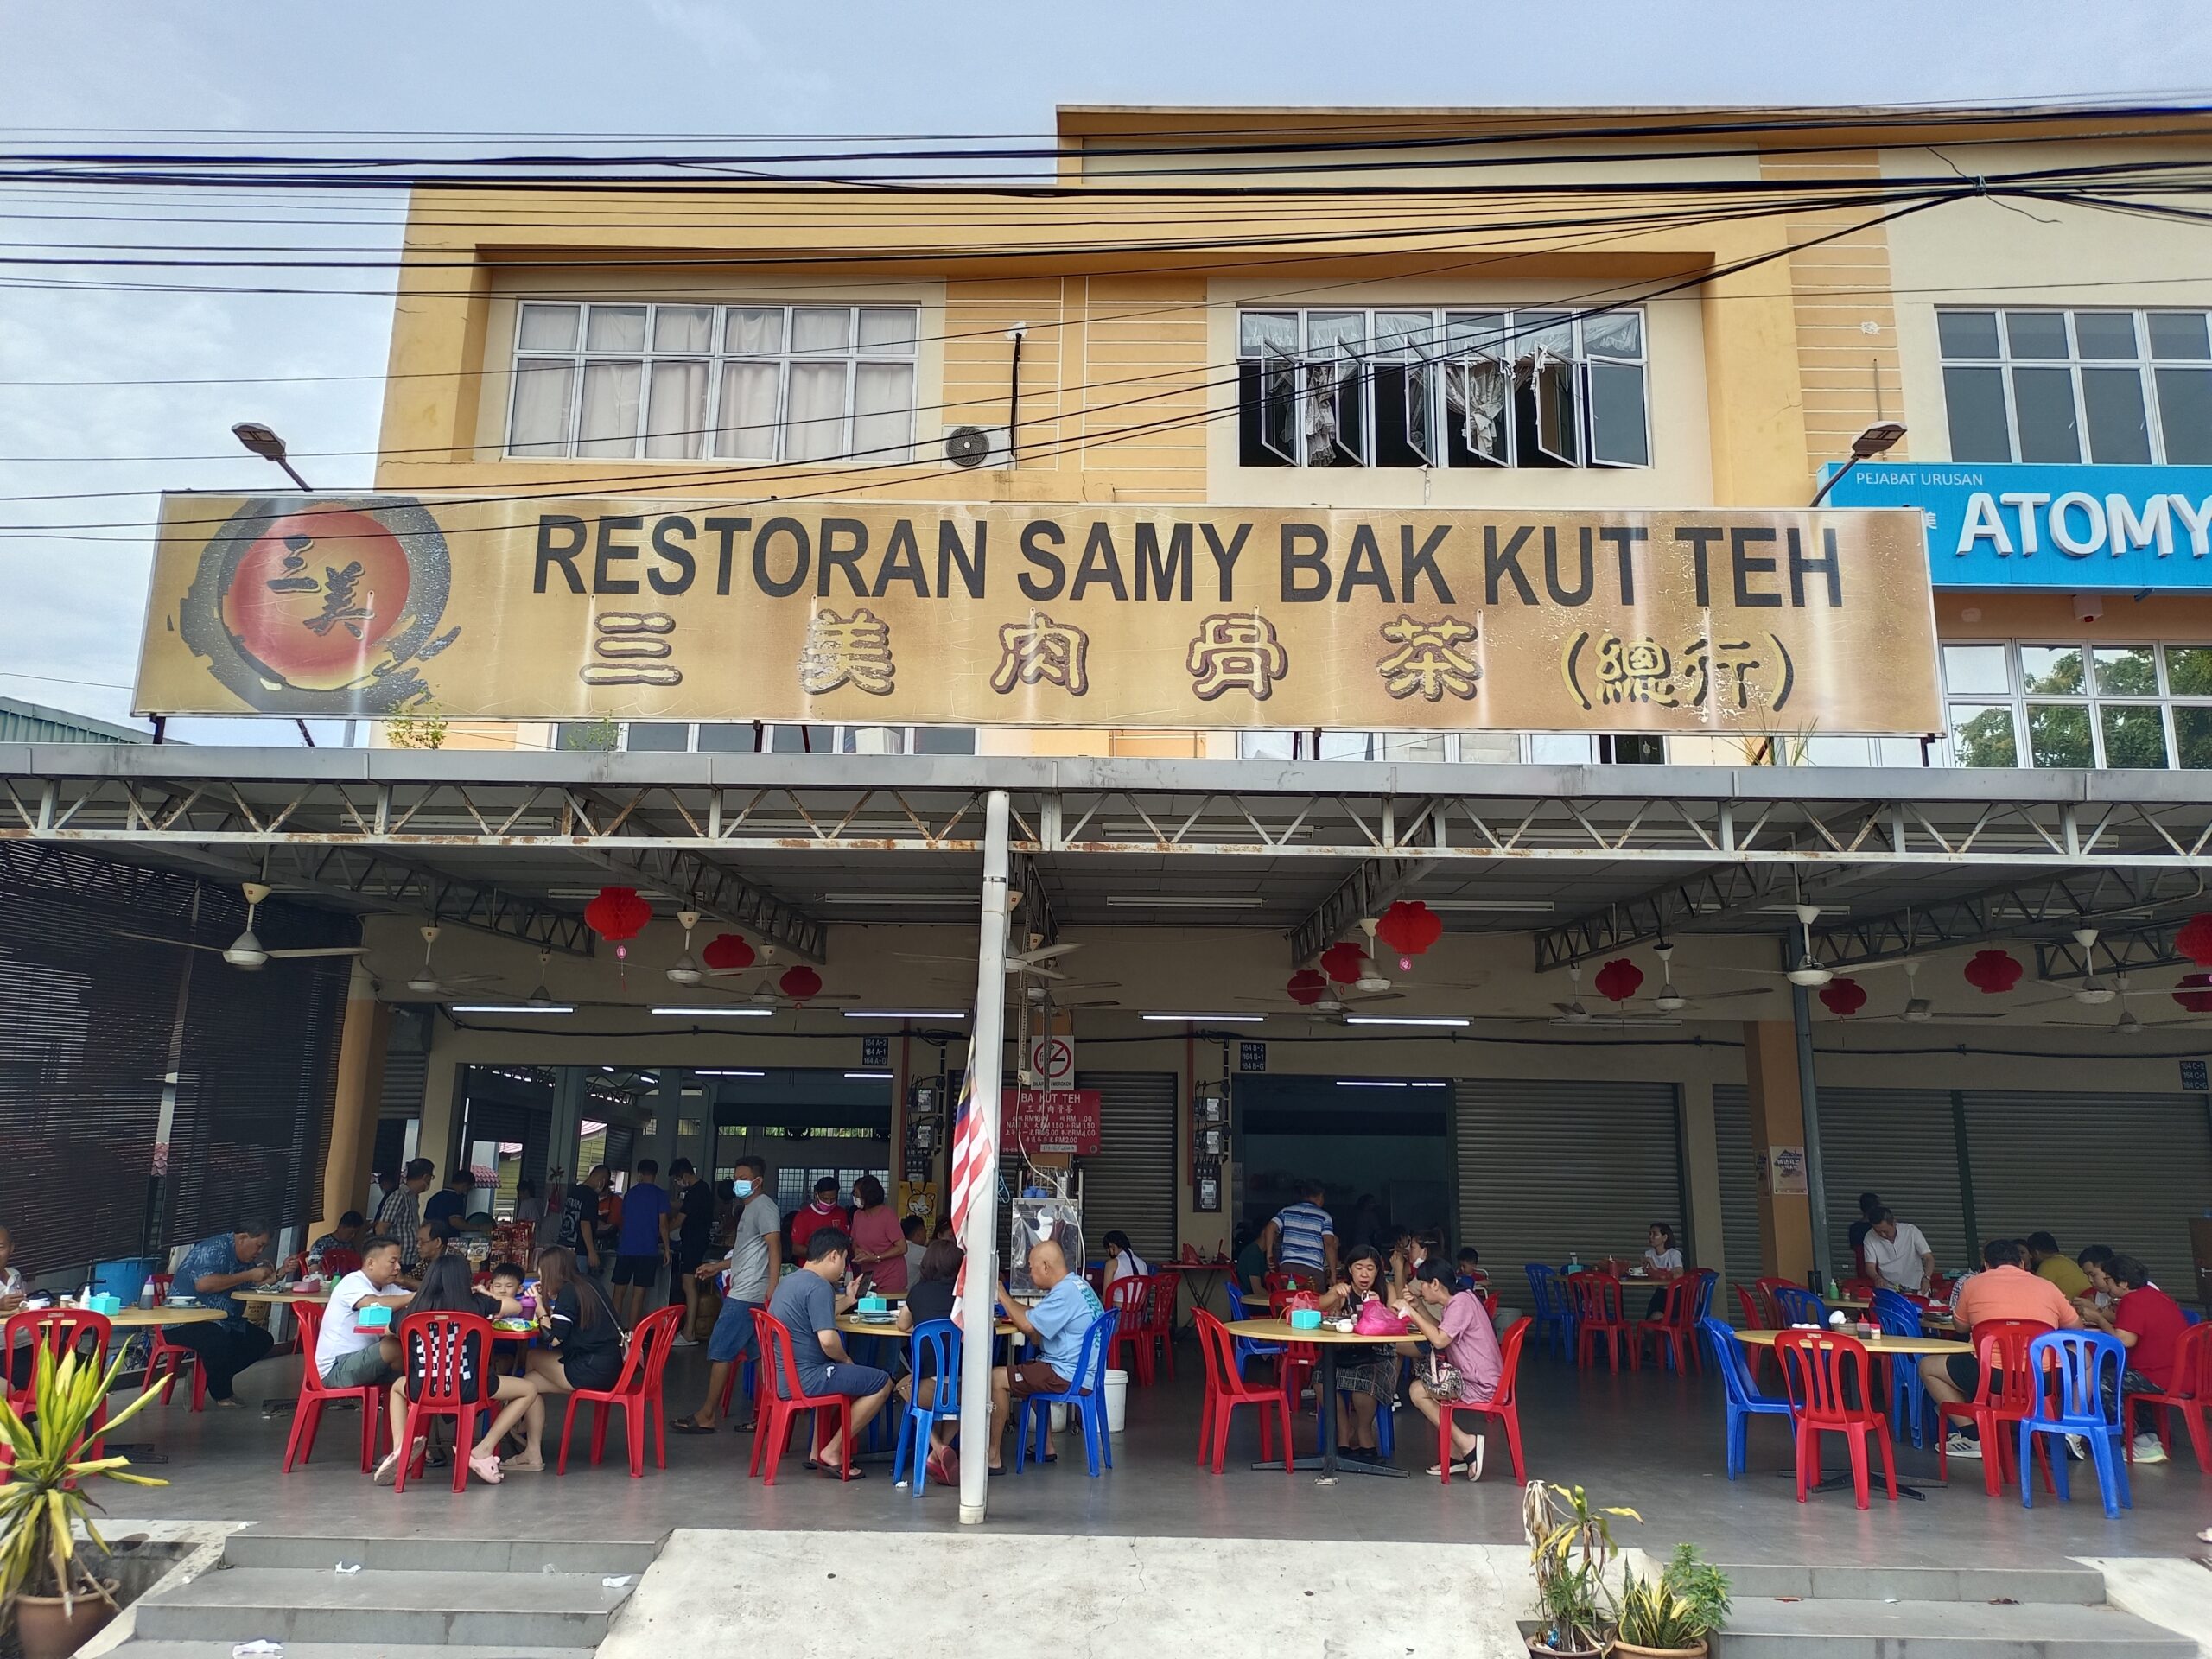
1306, 1319
875, 1304
105, 1304
372, 1314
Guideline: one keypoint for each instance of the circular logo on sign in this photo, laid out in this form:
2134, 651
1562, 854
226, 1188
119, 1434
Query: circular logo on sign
327, 609
1053, 1059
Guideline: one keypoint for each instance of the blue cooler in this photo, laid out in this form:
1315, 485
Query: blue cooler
123, 1278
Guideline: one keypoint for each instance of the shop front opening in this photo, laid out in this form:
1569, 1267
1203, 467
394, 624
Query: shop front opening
1379, 1146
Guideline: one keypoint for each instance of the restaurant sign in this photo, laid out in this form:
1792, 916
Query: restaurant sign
1051, 1120
498, 607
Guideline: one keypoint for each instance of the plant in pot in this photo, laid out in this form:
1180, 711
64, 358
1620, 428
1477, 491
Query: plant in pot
1570, 1546
1677, 1613
57, 1601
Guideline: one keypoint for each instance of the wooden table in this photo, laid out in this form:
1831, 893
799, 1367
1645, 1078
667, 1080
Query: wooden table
282, 1298
853, 1327
1327, 1341
139, 1318
1876, 1347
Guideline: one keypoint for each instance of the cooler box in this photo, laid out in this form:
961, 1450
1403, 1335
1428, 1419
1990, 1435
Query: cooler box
123, 1278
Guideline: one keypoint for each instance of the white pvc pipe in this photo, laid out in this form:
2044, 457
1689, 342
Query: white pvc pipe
978, 1312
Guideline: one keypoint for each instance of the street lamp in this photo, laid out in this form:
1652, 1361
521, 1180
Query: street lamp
1876, 440
264, 441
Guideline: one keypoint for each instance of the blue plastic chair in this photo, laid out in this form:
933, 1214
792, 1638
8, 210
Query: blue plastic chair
1799, 1307
1899, 1316
1553, 1309
1086, 1395
1386, 1432
2076, 1399
1744, 1400
939, 1341
1244, 1348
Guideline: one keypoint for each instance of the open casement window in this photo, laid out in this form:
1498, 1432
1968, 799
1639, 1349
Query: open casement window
1612, 390
1420, 403
1554, 386
1279, 403
1477, 391
1336, 410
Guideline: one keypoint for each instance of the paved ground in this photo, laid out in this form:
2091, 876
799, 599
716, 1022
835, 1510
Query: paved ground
1651, 1441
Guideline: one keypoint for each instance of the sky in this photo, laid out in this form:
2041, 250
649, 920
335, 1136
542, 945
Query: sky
73, 600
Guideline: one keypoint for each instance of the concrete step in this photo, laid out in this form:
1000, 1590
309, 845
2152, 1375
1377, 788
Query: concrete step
254, 1547
2064, 1583
1844, 1629
420, 1609
141, 1648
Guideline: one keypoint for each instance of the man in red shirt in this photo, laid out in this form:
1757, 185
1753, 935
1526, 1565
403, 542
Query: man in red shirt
2003, 1290
2149, 1323
825, 1211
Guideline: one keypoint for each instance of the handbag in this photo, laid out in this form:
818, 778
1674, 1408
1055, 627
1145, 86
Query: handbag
1443, 1381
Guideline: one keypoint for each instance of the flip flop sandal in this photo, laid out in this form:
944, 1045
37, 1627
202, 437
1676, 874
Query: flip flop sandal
744, 1427
686, 1426
830, 1472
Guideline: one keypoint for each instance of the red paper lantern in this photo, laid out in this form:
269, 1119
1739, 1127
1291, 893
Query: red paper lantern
727, 952
799, 984
1343, 963
1994, 972
1844, 997
617, 913
2195, 993
1617, 980
1409, 927
1307, 987
2195, 940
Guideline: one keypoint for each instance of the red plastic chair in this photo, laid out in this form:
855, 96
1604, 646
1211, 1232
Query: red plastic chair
1165, 1295
777, 1408
1669, 1333
166, 1360
637, 1391
61, 1330
1502, 1405
1225, 1391
1598, 1314
1770, 1306
315, 1393
1130, 1298
1829, 1380
2006, 1395
2190, 1393
435, 1344
336, 1264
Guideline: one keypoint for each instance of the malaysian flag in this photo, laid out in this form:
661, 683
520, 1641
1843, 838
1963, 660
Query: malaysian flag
973, 1165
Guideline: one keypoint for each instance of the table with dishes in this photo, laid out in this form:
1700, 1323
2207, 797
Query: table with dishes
1877, 1345
1326, 1339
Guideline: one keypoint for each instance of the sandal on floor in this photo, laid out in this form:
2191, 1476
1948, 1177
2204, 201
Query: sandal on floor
691, 1426
486, 1470
830, 1472
1459, 1468
744, 1427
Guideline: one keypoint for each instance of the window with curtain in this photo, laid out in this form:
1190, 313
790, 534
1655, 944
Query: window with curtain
696, 382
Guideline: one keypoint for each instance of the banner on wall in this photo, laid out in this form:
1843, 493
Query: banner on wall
1003, 613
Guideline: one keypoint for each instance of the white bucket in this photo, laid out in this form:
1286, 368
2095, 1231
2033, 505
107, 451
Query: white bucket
1060, 1418
1117, 1401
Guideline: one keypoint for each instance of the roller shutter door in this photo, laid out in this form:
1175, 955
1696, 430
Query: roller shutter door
1739, 1190
2124, 1170
1549, 1168
1130, 1183
1900, 1143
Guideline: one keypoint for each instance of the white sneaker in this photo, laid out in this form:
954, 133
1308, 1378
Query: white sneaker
1961, 1445
2149, 1448
2077, 1449
682, 1341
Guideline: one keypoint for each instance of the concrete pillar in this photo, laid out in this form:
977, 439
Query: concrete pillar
440, 1138
1701, 1178
561, 1134
361, 1040
1777, 1120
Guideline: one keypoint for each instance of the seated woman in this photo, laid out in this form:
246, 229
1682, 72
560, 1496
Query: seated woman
1367, 1378
1662, 1262
1464, 1365
1122, 1261
445, 1290
1413, 1247
580, 1339
929, 1297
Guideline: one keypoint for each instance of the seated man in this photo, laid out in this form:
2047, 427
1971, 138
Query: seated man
345, 1355
346, 1235
807, 1304
1057, 1322
211, 1271
2047, 1261
2003, 1290
431, 1238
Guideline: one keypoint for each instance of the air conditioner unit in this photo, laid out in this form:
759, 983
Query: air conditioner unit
970, 448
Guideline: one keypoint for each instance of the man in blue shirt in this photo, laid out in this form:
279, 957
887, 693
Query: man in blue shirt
212, 1271
1057, 1322
1302, 1237
642, 1245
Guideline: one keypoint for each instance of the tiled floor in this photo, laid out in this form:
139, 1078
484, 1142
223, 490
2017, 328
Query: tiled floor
1651, 1441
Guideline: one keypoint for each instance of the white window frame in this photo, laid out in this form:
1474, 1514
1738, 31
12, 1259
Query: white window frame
1431, 361
2006, 365
716, 358
844, 735
1530, 748
2019, 701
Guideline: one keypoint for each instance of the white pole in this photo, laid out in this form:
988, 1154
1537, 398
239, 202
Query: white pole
977, 1310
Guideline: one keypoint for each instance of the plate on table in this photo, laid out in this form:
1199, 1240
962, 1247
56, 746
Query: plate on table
874, 1319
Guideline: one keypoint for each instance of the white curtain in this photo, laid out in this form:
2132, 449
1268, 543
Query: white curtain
540, 422
883, 412
747, 429
815, 419
608, 424
676, 414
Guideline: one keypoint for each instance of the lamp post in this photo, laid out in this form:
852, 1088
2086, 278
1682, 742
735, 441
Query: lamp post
1876, 440
264, 441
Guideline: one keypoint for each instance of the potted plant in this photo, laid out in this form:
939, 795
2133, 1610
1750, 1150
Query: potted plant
1675, 1613
57, 1601
1570, 1545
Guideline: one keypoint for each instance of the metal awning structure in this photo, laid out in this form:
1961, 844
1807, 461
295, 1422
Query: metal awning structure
1587, 858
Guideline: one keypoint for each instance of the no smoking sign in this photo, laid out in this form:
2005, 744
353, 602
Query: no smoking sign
1051, 1058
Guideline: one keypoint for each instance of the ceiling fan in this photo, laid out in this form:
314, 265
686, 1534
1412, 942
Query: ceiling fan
425, 980
1667, 1000
1030, 960
246, 951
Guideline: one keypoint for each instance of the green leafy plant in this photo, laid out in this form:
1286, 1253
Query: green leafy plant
44, 1501
1570, 1546
600, 736
1681, 1608
423, 730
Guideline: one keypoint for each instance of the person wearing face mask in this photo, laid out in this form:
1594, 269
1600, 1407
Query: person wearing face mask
755, 1261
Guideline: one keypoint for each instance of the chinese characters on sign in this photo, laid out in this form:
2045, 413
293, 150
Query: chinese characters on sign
636, 648
852, 650
1237, 653
1040, 651
1051, 1120
1644, 671
1428, 662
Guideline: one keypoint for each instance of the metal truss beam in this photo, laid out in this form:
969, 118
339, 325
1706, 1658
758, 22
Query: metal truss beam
2142, 947
390, 884
1033, 911
1366, 891
2075, 899
1704, 897
708, 887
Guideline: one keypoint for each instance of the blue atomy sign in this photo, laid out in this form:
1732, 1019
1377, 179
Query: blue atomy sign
2116, 529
